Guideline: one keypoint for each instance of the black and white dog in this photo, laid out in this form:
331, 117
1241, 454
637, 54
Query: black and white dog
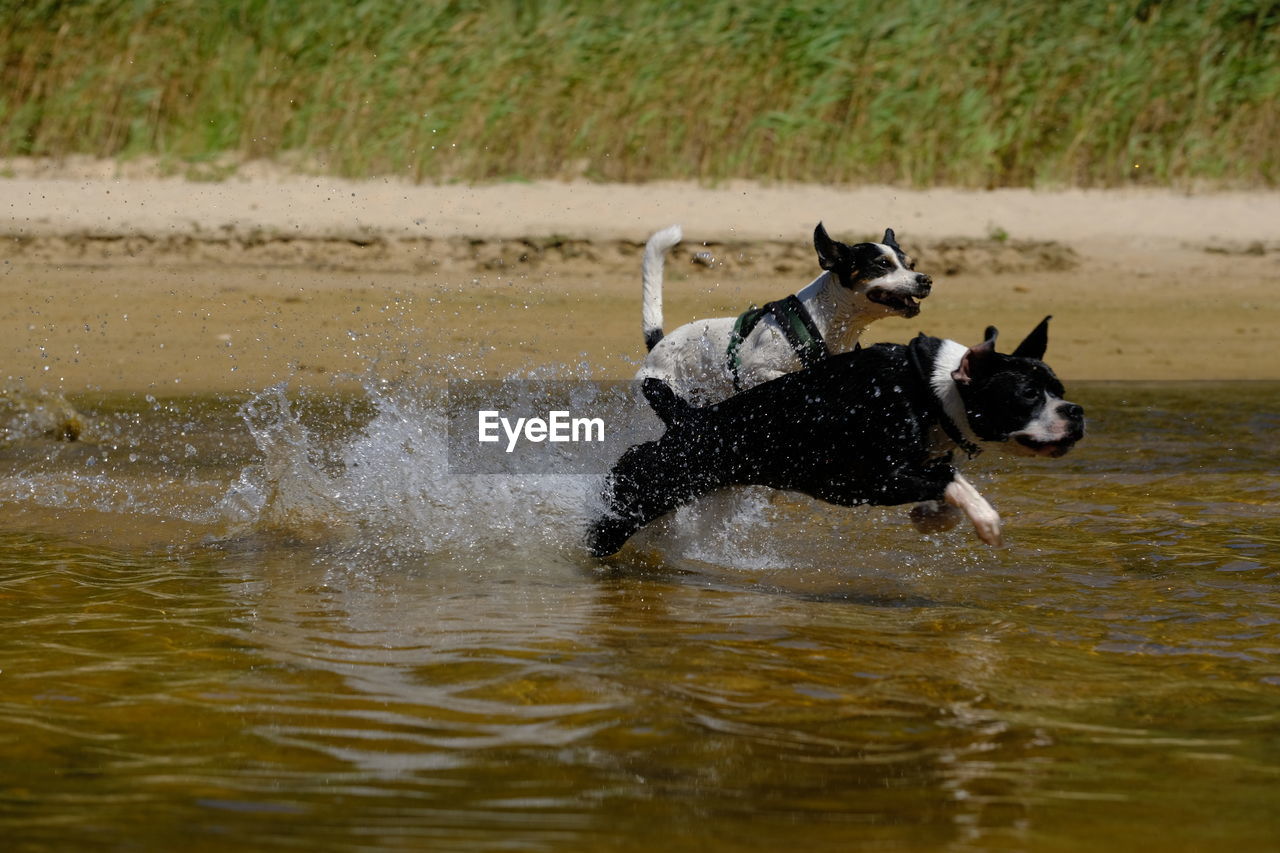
707, 360
874, 426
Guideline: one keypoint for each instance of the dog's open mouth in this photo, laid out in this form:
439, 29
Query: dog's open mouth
901, 303
1052, 449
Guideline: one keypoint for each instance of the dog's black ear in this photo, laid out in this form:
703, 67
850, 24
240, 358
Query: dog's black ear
829, 251
1036, 343
891, 240
976, 358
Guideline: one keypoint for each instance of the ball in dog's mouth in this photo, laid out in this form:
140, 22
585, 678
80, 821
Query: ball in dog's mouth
901, 303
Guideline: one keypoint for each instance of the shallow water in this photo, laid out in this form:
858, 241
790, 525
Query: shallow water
283, 623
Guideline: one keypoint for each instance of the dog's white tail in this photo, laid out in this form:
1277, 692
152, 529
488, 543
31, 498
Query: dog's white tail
655, 254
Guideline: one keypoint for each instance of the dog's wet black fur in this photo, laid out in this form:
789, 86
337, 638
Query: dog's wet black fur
857, 428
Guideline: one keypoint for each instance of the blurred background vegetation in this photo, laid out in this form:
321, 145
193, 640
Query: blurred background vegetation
917, 92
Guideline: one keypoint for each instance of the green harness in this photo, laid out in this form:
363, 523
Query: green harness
796, 325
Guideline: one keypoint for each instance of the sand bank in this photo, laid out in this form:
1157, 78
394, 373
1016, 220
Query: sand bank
130, 284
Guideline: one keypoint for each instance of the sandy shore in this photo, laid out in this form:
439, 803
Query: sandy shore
167, 286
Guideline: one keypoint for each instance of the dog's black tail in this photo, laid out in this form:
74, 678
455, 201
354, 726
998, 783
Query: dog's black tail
664, 402
655, 254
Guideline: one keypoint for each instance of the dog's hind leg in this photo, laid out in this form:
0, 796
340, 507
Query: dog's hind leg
634, 501
609, 534
649, 481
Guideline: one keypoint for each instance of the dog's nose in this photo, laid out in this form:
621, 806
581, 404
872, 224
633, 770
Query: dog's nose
1074, 415
923, 284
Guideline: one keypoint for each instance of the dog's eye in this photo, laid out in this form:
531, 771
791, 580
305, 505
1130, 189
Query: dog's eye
1029, 394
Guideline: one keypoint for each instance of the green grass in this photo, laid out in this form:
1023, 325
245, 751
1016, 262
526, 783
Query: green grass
1090, 92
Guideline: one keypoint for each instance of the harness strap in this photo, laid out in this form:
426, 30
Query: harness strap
741, 328
796, 324
801, 333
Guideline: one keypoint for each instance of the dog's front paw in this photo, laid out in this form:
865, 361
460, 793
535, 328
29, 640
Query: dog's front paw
961, 494
988, 528
934, 517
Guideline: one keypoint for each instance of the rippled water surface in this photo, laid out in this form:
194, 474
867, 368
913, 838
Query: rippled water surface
282, 623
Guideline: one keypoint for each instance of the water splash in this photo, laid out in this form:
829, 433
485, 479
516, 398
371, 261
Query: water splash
389, 485
26, 415
729, 528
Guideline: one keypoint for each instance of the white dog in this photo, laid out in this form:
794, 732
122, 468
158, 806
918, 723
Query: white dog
706, 361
